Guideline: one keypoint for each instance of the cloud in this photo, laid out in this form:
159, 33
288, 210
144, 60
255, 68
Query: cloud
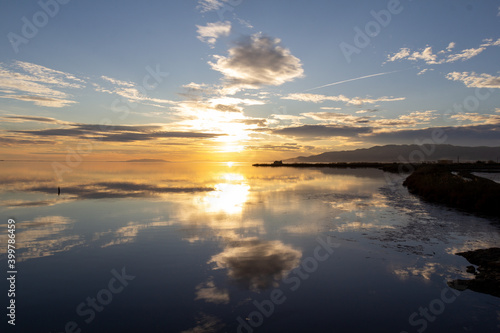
209, 33
367, 110
210, 293
257, 264
209, 5
425, 70
41, 101
50, 76
315, 131
334, 117
473, 80
477, 118
130, 91
38, 84
315, 98
14, 141
488, 134
329, 108
425, 55
22, 119
256, 61
104, 190
45, 236
283, 147
117, 82
119, 133
206, 324
286, 117
465, 54
401, 54
431, 58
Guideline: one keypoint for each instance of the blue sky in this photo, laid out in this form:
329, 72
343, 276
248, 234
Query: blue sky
244, 80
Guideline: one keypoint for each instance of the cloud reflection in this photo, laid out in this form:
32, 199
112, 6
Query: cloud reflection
257, 264
44, 236
210, 293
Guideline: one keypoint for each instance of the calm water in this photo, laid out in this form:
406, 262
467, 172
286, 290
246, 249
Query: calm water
167, 247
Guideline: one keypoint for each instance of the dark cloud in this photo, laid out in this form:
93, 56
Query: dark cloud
258, 60
283, 147
464, 135
7, 141
259, 122
119, 133
227, 108
110, 190
55, 132
31, 118
323, 131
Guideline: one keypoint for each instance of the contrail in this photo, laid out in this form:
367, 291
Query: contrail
349, 80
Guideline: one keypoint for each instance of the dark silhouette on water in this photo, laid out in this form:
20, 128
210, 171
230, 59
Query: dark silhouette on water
58, 190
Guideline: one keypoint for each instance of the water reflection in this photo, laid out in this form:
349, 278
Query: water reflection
208, 292
44, 236
233, 233
256, 264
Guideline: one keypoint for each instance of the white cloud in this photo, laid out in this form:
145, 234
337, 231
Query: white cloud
244, 23
403, 53
209, 33
483, 119
256, 61
130, 91
490, 42
329, 108
50, 76
431, 58
425, 55
38, 84
117, 82
473, 80
465, 54
425, 70
315, 98
41, 101
209, 5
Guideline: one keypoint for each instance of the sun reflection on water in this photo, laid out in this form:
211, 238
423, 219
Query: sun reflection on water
229, 196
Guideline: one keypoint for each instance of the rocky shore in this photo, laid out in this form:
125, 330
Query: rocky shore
487, 275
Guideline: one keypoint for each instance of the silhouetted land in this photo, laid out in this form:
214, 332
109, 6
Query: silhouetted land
487, 279
390, 167
456, 187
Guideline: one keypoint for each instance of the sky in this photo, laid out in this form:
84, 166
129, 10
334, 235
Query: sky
244, 80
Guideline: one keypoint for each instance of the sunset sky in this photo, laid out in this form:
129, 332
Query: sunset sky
244, 80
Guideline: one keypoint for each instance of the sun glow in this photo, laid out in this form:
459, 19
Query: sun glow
229, 196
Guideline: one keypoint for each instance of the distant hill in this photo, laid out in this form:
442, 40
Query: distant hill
391, 153
147, 160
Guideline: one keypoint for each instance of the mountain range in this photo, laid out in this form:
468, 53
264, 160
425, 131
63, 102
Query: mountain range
406, 153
